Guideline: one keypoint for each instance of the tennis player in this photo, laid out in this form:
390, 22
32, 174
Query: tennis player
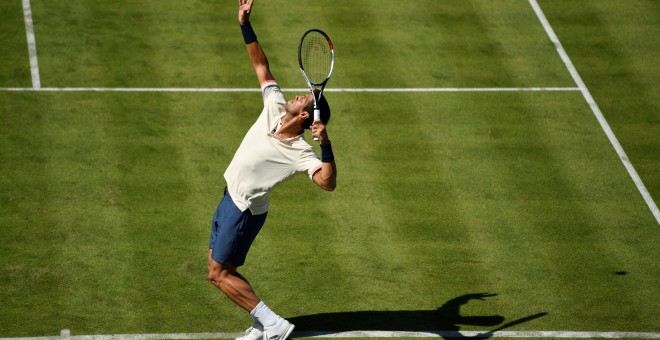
272, 150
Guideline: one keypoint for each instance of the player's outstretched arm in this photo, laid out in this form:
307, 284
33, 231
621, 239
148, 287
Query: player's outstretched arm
256, 53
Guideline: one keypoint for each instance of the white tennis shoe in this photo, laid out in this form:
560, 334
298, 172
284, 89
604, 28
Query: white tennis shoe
253, 333
280, 331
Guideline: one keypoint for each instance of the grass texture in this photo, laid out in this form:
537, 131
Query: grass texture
106, 197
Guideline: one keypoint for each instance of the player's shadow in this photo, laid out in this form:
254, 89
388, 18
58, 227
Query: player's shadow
443, 321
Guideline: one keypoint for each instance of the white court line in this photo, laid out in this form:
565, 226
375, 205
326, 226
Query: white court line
32, 45
256, 89
455, 89
599, 115
66, 335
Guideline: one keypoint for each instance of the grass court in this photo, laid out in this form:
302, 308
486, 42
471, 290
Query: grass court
470, 163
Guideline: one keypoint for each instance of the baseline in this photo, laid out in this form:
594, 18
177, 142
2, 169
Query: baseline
66, 335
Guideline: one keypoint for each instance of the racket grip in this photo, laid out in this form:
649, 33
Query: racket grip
317, 116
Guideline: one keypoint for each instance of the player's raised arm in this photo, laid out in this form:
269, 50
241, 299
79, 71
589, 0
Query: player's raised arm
326, 178
256, 53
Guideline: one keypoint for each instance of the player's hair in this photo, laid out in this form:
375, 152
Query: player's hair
325, 111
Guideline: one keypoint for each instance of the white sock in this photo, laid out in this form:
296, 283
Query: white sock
264, 315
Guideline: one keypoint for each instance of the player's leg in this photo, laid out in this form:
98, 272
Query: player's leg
237, 288
232, 234
232, 284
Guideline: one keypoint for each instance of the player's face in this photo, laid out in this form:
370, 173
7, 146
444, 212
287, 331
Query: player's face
298, 104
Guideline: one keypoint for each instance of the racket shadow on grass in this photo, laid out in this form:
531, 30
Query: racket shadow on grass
444, 321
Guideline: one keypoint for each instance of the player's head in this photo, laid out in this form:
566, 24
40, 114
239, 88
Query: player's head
323, 106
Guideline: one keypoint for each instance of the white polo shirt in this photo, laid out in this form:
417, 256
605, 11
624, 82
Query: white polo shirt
264, 160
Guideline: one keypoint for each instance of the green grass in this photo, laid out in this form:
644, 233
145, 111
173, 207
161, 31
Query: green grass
617, 57
106, 197
13, 70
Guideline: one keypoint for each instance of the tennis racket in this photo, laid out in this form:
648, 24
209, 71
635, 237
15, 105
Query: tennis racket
316, 59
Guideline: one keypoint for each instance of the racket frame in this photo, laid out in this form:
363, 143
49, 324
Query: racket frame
316, 86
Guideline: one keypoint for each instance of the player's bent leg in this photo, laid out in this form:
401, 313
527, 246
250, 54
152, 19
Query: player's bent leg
232, 284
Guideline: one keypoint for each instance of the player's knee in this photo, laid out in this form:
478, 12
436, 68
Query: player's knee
215, 271
215, 275
218, 273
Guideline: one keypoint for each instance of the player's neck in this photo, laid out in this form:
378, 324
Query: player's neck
290, 128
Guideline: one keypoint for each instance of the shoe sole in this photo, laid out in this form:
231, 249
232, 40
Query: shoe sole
288, 332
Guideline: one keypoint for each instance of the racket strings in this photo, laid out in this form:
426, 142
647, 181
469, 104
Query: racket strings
316, 57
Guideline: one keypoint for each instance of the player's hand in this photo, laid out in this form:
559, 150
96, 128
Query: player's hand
318, 130
244, 9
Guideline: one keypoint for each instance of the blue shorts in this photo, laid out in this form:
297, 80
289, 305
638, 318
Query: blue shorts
233, 231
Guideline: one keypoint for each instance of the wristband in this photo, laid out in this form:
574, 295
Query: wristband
248, 33
326, 153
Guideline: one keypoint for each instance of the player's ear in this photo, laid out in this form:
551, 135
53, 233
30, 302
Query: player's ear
304, 115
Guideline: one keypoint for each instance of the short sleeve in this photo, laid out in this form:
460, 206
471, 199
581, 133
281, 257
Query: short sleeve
268, 88
309, 162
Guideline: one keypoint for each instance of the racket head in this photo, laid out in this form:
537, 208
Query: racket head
316, 57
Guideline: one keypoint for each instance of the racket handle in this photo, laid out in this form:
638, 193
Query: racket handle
317, 116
